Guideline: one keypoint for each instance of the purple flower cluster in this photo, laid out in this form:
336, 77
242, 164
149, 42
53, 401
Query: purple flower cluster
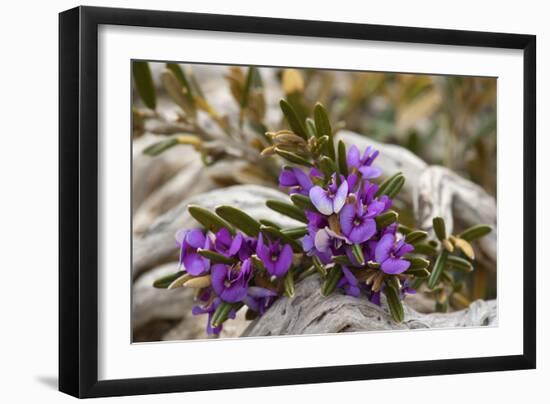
233, 280
346, 208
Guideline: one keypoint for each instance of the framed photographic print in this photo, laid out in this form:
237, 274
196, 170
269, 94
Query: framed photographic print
251, 201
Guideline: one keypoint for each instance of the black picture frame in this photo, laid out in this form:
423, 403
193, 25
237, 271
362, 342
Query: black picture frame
78, 200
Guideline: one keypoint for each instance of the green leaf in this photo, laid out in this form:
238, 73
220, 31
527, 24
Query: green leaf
358, 253
157, 148
342, 260
222, 313
295, 232
303, 202
438, 268
459, 264
253, 80
395, 186
394, 303
289, 283
382, 190
293, 120
269, 223
418, 272
327, 166
415, 237
404, 229
239, 219
425, 248
274, 233
209, 220
322, 124
319, 266
310, 127
418, 262
475, 232
216, 258
293, 157
287, 209
182, 78
165, 281
439, 228
387, 218
179, 282
143, 80
342, 158
329, 285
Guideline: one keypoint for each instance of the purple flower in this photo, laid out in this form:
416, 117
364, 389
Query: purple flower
349, 283
189, 241
260, 299
357, 221
363, 164
210, 304
277, 259
295, 179
388, 253
230, 282
226, 244
331, 200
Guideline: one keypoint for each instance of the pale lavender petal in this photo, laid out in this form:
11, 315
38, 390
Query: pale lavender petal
383, 248
394, 266
321, 200
180, 236
369, 172
340, 197
322, 240
307, 243
375, 208
353, 157
303, 179
256, 291
195, 264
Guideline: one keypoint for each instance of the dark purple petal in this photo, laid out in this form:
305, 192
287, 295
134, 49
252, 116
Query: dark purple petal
340, 197
403, 249
218, 276
375, 298
236, 244
262, 250
347, 216
303, 179
394, 266
195, 238
375, 208
287, 178
383, 248
363, 232
353, 157
235, 293
320, 199
283, 263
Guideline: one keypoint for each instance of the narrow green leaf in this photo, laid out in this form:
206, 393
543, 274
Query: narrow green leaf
394, 188
438, 268
327, 166
143, 80
165, 281
439, 228
310, 127
418, 272
274, 233
394, 303
415, 237
319, 266
425, 248
221, 314
404, 229
182, 78
293, 157
329, 285
216, 258
239, 219
475, 232
342, 260
209, 220
304, 274
358, 254
322, 124
387, 218
289, 284
179, 282
459, 264
287, 209
303, 202
385, 184
295, 232
418, 262
342, 158
293, 120
269, 223
157, 148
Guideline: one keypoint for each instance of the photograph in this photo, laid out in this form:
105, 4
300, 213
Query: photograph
276, 201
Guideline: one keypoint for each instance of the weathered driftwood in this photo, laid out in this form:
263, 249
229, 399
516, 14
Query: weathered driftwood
436, 191
308, 312
158, 245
